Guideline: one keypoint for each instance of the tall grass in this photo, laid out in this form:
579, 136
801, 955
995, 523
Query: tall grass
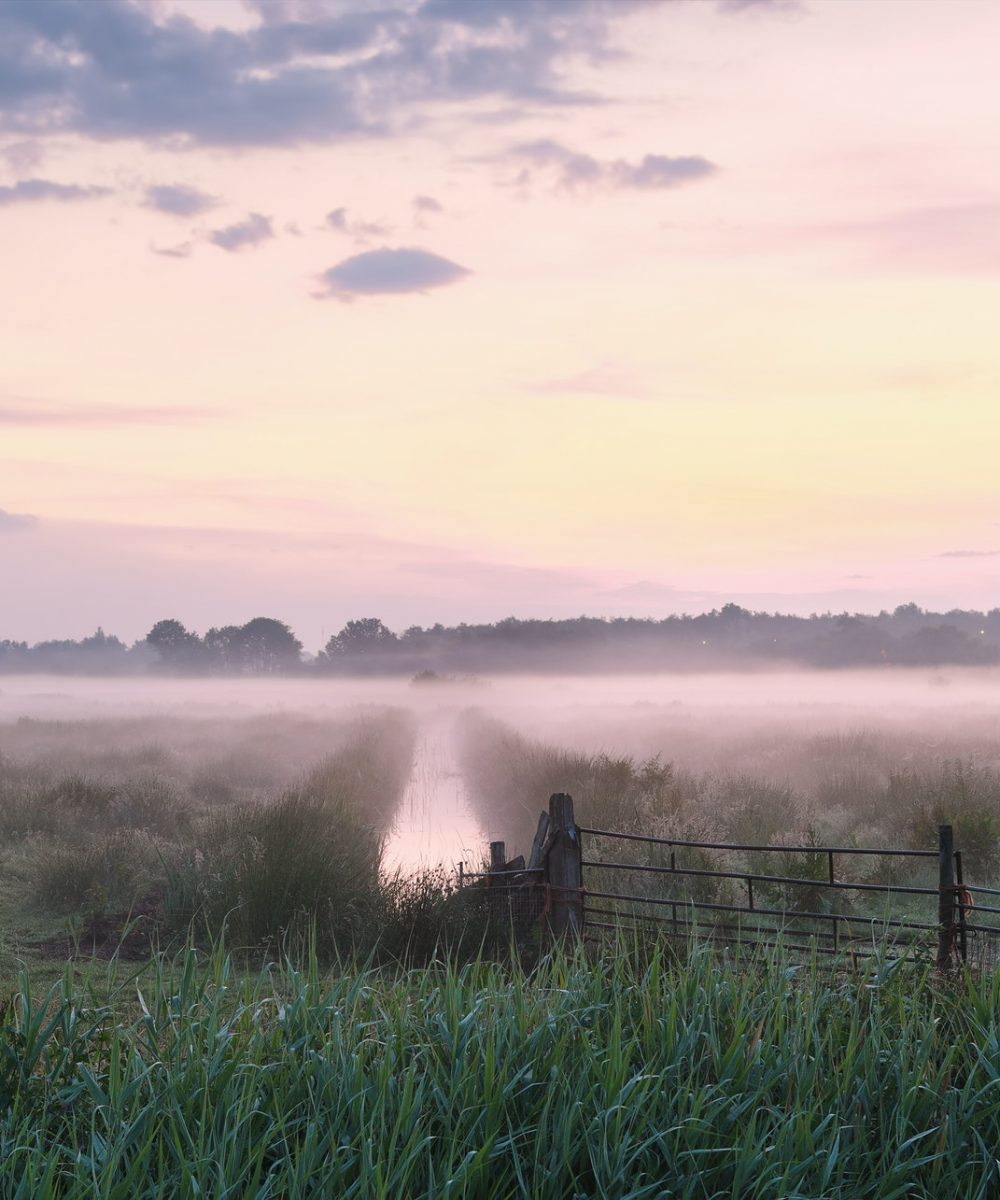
634, 1076
91, 847
855, 794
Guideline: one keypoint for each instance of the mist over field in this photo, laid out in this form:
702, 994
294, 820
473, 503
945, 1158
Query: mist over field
824, 746
499, 599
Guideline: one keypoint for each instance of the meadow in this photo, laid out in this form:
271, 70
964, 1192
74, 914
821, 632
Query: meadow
220, 983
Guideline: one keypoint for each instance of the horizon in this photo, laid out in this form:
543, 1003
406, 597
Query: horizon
958, 638
133, 639
453, 311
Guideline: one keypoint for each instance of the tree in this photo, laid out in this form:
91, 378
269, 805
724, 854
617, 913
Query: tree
224, 650
365, 636
263, 646
178, 649
269, 646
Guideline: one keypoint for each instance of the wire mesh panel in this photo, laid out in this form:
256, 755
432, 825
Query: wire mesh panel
509, 902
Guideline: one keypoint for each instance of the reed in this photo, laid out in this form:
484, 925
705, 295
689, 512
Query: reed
636, 1075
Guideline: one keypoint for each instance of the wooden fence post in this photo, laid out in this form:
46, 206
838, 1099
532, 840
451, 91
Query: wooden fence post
564, 870
498, 857
946, 898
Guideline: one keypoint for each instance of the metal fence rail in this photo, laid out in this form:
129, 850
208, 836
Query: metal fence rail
828, 906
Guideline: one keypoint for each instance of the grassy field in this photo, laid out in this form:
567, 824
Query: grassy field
635, 1075
119, 834
761, 781
210, 985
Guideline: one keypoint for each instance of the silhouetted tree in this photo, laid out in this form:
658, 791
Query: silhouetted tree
268, 647
223, 652
365, 636
178, 649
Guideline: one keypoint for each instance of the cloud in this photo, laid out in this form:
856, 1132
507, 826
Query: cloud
361, 231
305, 73
572, 171
33, 191
947, 239
16, 522
256, 228
969, 554
661, 171
385, 272
181, 250
15, 411
605, 379
22, 156
427, 204
759, 6
178, 200
645, 590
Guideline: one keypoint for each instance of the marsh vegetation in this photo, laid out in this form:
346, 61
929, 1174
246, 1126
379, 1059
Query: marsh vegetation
202, 912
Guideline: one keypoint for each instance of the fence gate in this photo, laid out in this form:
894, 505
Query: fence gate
850, 901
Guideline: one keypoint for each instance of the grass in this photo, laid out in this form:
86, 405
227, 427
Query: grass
428, 1061
855, 793
99, 823
635, 1075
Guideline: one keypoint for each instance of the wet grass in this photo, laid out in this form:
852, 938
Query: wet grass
267, 847
634, 1075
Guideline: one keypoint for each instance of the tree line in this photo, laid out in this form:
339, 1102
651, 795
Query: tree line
727, 638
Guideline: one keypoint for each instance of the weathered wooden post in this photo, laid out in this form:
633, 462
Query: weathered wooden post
564, 870
962, 898
946, 898
498, 856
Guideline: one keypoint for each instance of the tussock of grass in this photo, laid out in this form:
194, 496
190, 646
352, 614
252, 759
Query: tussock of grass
91, 879
211, 849
635, 1076
270, 867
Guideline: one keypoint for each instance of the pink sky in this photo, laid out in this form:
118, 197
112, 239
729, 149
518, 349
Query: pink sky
451, 310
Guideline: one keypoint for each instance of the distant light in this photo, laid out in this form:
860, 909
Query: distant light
982, 631
703, 642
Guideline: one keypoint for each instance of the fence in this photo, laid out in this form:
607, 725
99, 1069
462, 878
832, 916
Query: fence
841, 901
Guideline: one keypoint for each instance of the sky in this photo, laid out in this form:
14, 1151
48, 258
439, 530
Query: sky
445, 310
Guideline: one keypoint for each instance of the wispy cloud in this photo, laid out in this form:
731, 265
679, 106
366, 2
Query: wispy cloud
361, 231
16, 522
180, 250
256, 228
605, 379
384, 272
35, 191
427, 204
15, 411
759, 6
947, 239
969, 554
645, 590
23, 156
178, 200
572, 171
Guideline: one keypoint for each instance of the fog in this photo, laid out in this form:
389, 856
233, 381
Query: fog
766, 725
